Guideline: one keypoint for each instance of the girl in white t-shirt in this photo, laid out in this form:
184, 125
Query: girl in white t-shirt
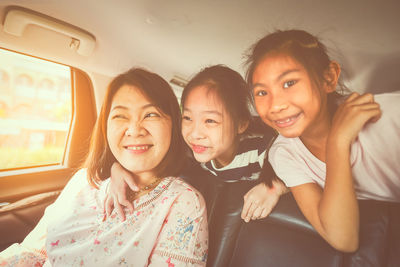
331, 149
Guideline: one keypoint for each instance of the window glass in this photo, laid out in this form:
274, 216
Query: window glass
35, 110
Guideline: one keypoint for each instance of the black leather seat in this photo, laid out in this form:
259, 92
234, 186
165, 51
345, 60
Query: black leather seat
285, 238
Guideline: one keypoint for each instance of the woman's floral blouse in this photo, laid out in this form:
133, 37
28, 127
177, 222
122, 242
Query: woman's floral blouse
167, 228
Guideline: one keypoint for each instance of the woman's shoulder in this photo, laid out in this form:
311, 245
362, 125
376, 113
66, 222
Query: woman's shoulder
180, 185
186, 192
78, 184
79, 179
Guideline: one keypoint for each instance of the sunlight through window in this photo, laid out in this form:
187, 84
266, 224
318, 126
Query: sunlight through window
35, 110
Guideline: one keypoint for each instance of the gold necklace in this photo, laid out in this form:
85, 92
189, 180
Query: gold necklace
133, 194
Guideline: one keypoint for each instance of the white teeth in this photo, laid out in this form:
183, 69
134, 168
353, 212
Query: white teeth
137, 147
285, 121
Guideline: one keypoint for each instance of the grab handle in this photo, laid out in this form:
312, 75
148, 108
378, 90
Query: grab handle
17, 20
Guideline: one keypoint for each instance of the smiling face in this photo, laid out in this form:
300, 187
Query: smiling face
138, 134
287, 99
207, 128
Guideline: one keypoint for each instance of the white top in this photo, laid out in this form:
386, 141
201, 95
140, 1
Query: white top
167, 228
375, 157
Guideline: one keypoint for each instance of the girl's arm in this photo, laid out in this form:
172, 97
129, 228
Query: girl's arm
183, 240
261, 199
333, 211
121, 181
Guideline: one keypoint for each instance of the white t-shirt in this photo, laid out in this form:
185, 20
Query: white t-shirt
375, 157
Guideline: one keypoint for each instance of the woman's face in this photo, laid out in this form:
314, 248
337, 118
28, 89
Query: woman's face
138, 134
207, 127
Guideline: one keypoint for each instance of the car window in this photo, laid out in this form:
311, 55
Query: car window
35, 110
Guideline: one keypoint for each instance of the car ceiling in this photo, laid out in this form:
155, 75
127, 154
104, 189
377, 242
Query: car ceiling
180, 37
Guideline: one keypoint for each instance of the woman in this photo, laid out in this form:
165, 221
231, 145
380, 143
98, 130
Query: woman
139, 127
